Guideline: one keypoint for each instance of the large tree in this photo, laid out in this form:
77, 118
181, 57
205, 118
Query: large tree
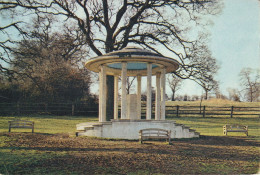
250, 82
167, 26
45, 65
175, 84
205, 68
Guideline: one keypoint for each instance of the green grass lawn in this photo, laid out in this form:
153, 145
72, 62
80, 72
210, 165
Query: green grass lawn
47, 124
213, 126
210, 126
214, 102
54, 149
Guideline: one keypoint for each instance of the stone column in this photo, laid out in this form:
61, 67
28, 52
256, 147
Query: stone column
123, 88
102, 94
149, 92
100, 97
139, 105
163, 72
115, 97
158, 97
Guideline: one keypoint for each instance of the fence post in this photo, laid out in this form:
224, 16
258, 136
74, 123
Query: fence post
72, 109
204, 111
177, 110
232, 109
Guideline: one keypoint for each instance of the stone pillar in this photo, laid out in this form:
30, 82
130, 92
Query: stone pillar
149, 92
102, 94
115, 97
158, 97
123, 88
139, 105
163, 94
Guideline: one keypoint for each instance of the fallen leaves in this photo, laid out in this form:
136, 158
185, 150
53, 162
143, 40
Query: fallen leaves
84, 155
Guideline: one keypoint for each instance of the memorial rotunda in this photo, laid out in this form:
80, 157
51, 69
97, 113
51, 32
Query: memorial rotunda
136, 62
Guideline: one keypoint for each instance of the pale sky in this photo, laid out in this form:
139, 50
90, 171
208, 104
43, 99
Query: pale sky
235, 43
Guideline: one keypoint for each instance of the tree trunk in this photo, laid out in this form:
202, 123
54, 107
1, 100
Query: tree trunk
173, 97
173, 94
206, 95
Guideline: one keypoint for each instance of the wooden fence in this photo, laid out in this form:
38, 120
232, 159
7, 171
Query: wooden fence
85, 109
47, 108
207, 111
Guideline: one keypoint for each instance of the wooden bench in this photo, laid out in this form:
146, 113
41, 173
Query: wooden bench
21, 124
235, 128
154, 133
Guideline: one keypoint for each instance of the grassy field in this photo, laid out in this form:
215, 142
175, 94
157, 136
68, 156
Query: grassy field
47, 123
54, 149
214, 102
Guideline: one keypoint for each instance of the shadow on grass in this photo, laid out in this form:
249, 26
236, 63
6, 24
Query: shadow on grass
64, 150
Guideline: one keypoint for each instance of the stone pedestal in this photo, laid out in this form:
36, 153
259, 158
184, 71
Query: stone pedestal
132, 106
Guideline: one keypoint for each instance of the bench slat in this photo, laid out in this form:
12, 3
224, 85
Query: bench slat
21, 124
235, 128
154, 133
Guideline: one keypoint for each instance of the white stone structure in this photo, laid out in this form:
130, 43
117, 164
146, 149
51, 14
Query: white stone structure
132, 61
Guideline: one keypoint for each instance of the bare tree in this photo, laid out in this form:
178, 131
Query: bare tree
6, 39
129, 84
155, 25
233, 94
250, 81
175, 84
206, 69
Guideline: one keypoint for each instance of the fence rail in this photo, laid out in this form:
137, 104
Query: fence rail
204, 111
85, 109
47, 108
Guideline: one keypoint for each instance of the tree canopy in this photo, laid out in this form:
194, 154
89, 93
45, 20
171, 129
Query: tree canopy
45, 65
162, 26
173, 28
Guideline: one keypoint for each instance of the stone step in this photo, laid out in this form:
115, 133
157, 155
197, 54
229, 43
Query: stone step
190, 130
94, 129
89, 128
197, 133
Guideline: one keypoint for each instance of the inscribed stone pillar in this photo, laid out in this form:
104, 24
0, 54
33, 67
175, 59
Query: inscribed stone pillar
158, 97
149, 92
131, 106
115, 97
163, 94
123, 88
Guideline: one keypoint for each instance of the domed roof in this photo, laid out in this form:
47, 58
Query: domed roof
136, 59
